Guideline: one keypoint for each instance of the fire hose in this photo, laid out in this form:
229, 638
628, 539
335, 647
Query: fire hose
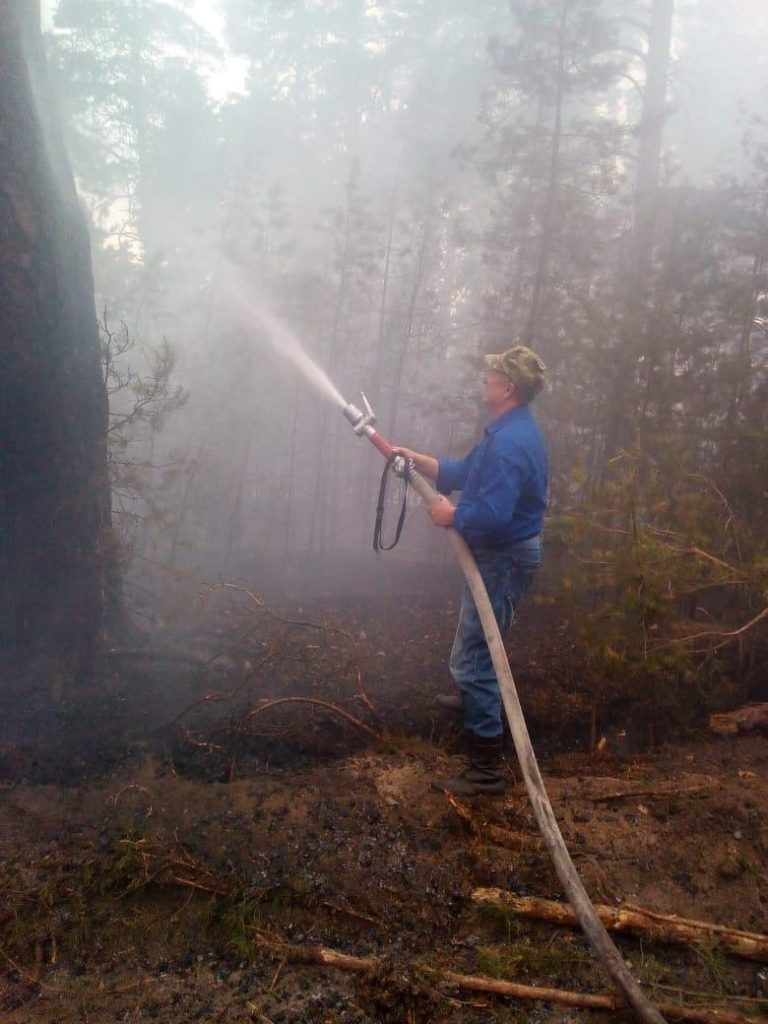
604, 947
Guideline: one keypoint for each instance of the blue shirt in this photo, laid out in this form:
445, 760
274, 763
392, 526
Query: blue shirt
503, 482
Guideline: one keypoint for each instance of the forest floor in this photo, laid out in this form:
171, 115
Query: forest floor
162, 835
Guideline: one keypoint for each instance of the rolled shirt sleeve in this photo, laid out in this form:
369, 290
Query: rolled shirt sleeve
491, 504
451, 475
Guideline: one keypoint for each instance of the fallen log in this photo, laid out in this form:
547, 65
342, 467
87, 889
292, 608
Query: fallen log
636, 920
746, 719
322, 956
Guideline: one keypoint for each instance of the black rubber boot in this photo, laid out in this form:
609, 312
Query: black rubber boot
484, 776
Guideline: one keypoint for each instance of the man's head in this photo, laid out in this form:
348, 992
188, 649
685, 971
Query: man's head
514, 377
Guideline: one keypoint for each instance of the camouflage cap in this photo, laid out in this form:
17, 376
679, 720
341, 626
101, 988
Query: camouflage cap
523, 367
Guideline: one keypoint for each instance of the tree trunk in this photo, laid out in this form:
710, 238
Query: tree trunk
550, 203
402, 353
635, 337
751, 310
376, 384
324, 477
53, 406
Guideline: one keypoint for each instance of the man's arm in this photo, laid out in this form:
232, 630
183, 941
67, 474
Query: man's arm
449, 475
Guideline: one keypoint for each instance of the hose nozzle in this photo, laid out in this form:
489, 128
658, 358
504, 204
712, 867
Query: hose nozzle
363, 425
361, 421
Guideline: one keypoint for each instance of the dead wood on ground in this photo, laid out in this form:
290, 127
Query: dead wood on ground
322, 956
635, 920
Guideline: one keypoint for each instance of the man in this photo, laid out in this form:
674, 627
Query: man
503, 484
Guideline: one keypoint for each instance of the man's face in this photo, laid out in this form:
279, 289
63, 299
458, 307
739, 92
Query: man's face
498, 390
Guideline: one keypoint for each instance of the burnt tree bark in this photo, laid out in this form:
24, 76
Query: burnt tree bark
54, 491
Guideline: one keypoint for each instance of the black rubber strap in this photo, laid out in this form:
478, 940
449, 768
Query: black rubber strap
378, 544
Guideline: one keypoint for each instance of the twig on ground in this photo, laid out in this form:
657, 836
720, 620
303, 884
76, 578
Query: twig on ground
501, 836
348, 912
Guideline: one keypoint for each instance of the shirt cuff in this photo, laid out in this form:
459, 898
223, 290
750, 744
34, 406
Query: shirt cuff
460, 514
449, 475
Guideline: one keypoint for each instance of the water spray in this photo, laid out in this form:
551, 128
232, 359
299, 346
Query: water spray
363, 424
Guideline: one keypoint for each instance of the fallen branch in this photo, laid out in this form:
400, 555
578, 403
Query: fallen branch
217, 695
261, 604
587, 1000
695, 993
305, 623
176, 868
324, 704
268, 704
635, 920
725, 636
30, 979
349, 912
501, 836
628, 794
700, 553
322, 956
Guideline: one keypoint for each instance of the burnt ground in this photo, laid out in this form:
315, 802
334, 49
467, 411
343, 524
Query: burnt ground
161, 832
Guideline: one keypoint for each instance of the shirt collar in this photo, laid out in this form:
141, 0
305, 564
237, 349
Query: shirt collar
511, 414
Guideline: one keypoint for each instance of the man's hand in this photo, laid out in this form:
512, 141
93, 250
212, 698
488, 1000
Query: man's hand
407, 453
425, 464
441, 513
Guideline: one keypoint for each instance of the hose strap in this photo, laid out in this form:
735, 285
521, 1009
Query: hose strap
378, 543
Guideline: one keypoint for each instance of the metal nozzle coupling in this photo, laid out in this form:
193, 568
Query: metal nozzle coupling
361, 421
403, 467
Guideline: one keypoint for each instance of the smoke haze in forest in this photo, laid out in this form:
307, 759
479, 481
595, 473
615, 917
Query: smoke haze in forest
405, 186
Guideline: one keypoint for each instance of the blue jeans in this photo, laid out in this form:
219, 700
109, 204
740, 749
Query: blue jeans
508, 573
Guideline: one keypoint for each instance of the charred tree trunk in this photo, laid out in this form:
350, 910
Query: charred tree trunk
53, 407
